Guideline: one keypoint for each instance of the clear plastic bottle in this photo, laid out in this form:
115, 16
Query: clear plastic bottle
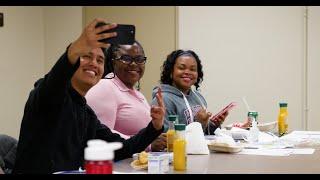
99, 156
179, 148
254, 132
171, 132
252, 115
283, 119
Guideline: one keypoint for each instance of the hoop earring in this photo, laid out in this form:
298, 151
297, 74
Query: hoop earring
106, 77
113, 74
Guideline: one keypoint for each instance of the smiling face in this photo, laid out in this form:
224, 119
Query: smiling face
90, 70
184, 73
131, 73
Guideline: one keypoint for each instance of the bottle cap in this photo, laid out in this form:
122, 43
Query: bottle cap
96, 142
99, 150
253, 114
283, 104
172, 118
180, 127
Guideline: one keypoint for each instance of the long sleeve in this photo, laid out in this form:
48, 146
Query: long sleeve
52, 88
48, 115
122, 135
136, 143
121, 109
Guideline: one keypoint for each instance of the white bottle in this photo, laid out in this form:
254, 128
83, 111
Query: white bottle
254, 132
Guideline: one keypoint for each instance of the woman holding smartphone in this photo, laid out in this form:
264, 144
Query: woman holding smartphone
180, 72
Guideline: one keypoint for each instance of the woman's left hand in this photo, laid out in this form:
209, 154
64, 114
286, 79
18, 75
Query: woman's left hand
220, 119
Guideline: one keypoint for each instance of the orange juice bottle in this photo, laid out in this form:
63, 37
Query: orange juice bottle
179, 148
171, 132
283, 119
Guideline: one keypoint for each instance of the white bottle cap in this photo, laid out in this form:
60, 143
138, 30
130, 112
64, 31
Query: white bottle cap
99, 150
96, 142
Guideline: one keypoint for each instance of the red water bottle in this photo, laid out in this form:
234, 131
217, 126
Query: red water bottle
99, 156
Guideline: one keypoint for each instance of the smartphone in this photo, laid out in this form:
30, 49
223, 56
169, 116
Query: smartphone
225, 109
125, 34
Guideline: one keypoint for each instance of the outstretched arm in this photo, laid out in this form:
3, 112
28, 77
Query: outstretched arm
52, 88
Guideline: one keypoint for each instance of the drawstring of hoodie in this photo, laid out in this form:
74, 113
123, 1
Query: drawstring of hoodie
204, 107
190, 110
188, 107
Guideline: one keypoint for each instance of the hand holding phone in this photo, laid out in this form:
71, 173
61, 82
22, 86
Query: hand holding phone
223, 111
125, 34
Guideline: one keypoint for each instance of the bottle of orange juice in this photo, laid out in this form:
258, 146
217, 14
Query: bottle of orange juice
283, 119
179, 148
170, 133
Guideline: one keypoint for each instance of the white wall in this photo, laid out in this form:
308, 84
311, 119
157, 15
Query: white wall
230, 41
313, 122
31, 41
63, 25
21, 52
256, 52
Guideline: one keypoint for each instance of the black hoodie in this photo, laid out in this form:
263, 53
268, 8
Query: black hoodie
57, 123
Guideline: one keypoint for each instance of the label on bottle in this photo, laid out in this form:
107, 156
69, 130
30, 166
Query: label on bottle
158, 163
179, 155
98, 167
282, 124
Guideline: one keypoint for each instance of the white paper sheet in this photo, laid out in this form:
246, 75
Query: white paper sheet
276, 152
266, 152
302, 138
303, 135
303, 151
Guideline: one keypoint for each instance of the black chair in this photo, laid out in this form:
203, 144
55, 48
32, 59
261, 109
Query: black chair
8, 149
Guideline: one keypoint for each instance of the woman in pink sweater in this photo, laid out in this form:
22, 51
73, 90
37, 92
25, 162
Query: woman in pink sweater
115, 99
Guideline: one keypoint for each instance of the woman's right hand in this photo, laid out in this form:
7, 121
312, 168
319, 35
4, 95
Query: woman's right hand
89, 39
160, 143
220, 119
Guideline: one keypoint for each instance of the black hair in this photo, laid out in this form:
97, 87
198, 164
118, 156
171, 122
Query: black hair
110, 54
168, 64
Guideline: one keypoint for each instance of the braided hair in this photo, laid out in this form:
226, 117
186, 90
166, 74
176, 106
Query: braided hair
109, 55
